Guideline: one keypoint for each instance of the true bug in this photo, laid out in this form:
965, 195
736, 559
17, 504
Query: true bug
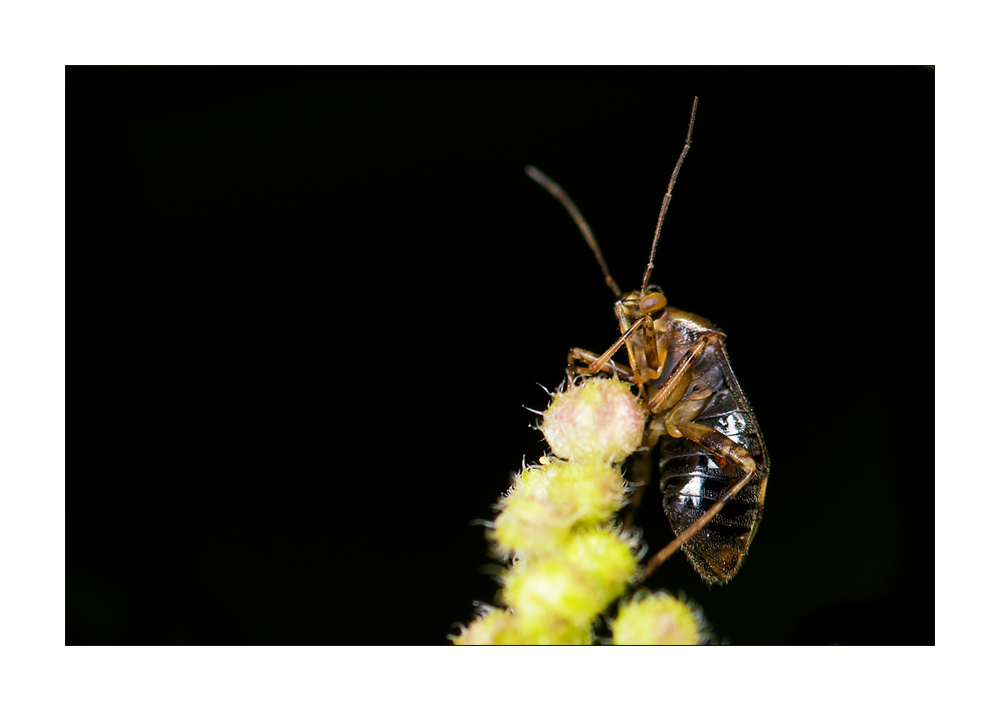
713, 463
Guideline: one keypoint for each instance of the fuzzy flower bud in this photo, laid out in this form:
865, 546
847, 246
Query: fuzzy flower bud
486, 629
605, 558
530, 525
552, 589
600, 420
543, 630
592, 492
657, 619
546, 502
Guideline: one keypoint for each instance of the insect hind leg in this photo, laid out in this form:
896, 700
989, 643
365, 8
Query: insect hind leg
738, 464
675, 545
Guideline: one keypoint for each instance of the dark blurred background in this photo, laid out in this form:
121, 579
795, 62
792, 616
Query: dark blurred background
310, 304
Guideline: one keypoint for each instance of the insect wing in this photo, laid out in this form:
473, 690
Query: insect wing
692, 480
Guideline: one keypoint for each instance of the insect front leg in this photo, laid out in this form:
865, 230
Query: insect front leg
579, 354
627, 330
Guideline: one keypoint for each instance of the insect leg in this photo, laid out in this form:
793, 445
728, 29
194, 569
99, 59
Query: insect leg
714, 442
598, 364
668, 394
689, 532
638, 475
579, 354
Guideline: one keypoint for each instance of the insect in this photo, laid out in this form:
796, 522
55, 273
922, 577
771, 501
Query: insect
713, 462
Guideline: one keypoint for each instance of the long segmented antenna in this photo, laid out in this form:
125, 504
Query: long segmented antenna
559, 194
666, 198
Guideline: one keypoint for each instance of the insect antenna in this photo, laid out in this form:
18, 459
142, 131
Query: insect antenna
559, 194
666, 198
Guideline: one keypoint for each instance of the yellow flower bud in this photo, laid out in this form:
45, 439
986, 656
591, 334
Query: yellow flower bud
658, 619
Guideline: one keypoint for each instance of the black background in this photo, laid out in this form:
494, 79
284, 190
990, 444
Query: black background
307, 306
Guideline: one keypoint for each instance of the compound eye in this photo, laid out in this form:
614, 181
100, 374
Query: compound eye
652, 302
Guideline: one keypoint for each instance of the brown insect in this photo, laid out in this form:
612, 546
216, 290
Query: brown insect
713, 463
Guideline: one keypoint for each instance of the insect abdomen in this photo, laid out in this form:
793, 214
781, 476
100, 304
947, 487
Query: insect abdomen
691, 484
